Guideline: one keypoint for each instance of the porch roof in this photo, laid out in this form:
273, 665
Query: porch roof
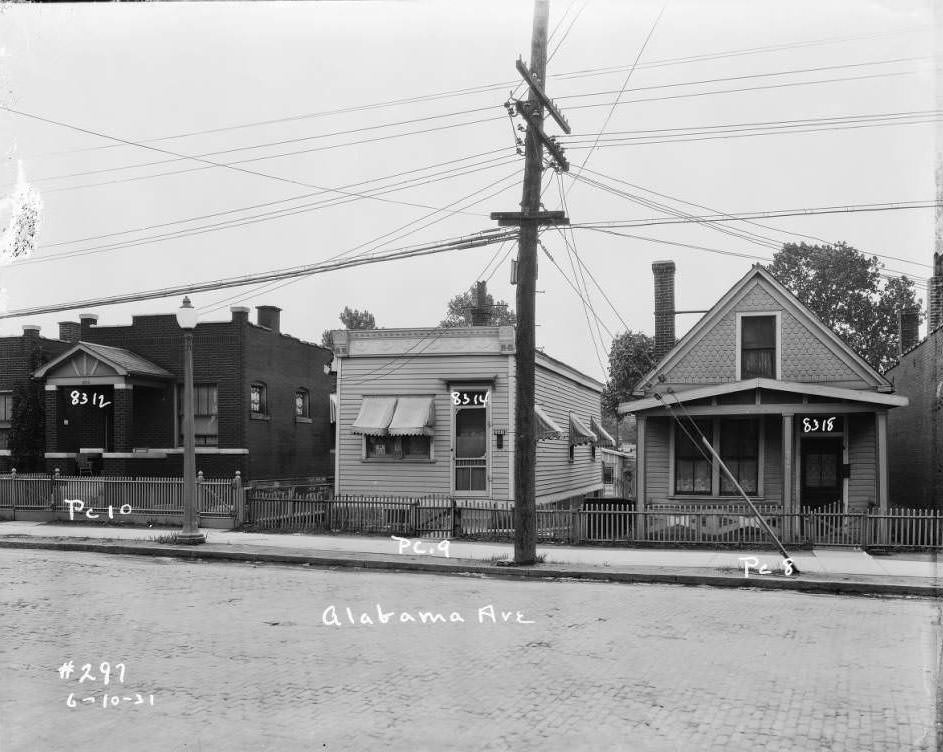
877, 399
123, 362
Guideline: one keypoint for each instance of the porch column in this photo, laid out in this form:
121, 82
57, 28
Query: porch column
51, 418
881, 418
640, 465
123, 417
788, 507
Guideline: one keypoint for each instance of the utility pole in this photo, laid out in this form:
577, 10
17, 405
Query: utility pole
529, 218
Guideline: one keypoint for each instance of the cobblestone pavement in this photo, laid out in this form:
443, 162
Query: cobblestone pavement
237, 657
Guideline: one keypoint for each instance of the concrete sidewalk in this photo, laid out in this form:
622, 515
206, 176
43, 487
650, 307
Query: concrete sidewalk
821, 571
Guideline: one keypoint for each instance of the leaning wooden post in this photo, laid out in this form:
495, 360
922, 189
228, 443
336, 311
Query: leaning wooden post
240, 500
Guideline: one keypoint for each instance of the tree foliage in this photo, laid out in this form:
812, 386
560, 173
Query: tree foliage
632, 356
351, 318
460, 310
845, 289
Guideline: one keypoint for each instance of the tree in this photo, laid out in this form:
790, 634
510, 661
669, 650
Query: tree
632, 356
27, 423
461, 310
844, 288
351, 319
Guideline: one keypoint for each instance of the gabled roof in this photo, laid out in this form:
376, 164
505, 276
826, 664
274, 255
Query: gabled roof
788, 301
715, 390
124, 362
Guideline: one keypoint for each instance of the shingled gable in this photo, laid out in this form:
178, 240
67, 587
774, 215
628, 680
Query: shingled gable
119, 360
759, 279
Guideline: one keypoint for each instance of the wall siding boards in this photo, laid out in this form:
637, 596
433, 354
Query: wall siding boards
402, 376
862, 448
555, 474
773, 462
656, 460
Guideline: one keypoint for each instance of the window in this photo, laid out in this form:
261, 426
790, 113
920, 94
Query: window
257, 402
398, 447
6, 416
205, 414
758, 347
739, 449
692, 468
471, 443
607, 474
302, 404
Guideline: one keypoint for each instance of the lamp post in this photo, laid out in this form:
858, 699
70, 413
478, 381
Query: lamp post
186, 319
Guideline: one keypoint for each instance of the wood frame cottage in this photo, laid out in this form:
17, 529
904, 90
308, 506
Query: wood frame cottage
795, 414
431, 412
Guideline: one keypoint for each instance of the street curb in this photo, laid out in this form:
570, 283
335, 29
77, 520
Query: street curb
466, 566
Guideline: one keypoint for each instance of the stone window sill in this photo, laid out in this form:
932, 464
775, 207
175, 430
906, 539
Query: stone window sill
256, 416
301, 419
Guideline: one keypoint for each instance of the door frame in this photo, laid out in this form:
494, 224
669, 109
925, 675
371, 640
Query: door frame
800, 465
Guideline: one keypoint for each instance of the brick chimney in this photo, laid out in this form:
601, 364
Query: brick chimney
480, 314
70, 331
31, 331
908, 330
935, 294
240, 314
664, 272
88, 320
269, 317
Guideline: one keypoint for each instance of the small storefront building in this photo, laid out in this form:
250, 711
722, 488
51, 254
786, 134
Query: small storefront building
431, 412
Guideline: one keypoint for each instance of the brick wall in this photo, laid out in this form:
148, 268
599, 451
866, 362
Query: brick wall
664, 272
915, 432
281, 446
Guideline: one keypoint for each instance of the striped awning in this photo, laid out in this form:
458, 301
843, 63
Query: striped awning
414, 416
579, 433
333, 408
375, 416
603, 438
546, 428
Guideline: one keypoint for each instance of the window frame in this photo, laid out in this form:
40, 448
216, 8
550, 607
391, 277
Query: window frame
488, 455
397, 456
178, 416
6, 426
778, 331
305, 415
729, 459
716, 472
263, 412
673, 457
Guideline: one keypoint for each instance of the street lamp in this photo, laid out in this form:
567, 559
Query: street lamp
186, 319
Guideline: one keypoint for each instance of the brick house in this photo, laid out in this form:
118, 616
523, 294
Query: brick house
795, 414
113, 399
17, 354
915, 432
431, 411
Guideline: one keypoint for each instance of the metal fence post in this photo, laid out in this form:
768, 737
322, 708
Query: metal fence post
13, 478
199, 496
53, 496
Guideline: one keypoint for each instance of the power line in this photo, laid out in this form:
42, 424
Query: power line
485, 237
252, 219
300, 139
276, 202
757, 224
487, 88
209, 162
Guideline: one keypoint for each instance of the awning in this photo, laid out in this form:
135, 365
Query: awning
333, 408
579, 433
602, 436
546, 428
375, 416
414, 416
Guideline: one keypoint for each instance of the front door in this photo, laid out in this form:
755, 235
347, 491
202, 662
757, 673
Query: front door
821, 471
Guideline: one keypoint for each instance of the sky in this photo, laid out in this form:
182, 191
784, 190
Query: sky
299, 89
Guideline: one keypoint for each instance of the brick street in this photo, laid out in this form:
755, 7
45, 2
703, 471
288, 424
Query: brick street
237, 658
